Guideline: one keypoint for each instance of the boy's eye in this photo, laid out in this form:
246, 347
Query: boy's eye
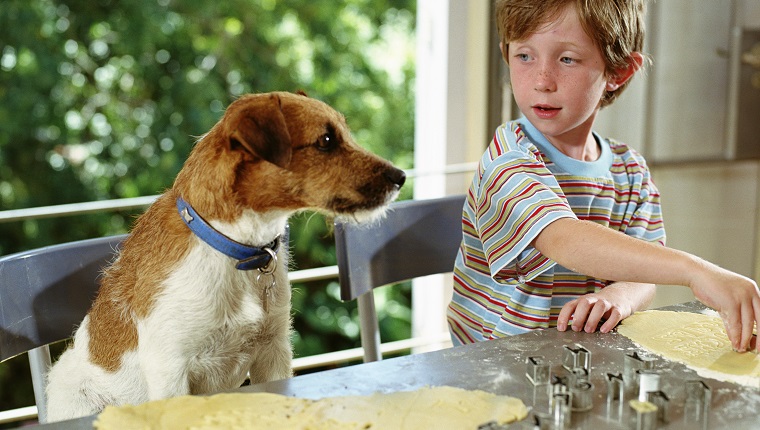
567, 60
522, 57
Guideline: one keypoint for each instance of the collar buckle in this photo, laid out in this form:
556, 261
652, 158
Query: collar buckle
249, 257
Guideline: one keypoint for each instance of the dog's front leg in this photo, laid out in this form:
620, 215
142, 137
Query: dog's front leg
165, 373
272, 362
272, 358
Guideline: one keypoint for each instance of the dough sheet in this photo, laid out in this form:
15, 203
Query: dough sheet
431, 407
697, 340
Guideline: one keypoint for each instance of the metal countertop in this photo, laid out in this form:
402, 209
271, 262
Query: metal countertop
499, 367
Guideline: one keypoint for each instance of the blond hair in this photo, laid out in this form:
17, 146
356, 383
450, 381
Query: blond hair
615, 26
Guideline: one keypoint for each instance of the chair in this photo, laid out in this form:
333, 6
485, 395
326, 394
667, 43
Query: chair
44, 294
415, 238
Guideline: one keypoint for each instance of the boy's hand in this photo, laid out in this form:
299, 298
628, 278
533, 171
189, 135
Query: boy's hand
735, 297
613, 303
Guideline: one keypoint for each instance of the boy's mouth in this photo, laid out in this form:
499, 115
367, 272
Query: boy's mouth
545, 111
545, 107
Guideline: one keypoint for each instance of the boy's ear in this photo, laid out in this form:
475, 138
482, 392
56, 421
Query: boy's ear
621, 76
503, 48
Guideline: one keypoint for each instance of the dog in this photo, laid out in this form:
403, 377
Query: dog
198, 299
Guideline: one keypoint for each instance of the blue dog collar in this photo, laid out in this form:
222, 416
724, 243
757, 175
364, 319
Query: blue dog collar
249, 257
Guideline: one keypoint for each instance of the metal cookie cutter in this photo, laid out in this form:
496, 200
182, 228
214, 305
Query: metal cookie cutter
661, 400
537, 370
582, 396
615, 387
643, 415
543, 421
561, 402
615, 393
493, 425
648, 381
698, 399
558, 384
561, 410
632, 363
578, 376
576, 357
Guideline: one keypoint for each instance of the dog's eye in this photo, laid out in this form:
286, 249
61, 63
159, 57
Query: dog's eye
326, 142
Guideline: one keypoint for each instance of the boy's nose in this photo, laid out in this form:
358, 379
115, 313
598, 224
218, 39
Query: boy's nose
545, 81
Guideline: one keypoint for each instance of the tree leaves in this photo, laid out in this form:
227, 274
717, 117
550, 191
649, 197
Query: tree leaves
104, 99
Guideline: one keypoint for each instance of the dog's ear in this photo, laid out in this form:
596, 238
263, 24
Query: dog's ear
261, 131
302, 93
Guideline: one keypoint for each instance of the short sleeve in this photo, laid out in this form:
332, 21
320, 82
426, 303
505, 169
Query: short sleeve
517, 198
647, 223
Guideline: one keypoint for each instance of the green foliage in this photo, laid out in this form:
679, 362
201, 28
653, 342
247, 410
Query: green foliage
103, 99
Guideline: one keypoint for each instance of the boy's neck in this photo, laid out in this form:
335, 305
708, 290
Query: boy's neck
578, 143
585, 151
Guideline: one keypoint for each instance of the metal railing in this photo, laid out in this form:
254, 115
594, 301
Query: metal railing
306, 275
76, 209
301, 363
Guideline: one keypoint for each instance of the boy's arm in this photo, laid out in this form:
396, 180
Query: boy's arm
612, 304
594, 250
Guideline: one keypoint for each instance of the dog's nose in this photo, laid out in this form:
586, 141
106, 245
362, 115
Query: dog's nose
396, 176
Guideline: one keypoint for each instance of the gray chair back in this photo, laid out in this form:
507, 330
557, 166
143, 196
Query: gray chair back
415, 238
44, 294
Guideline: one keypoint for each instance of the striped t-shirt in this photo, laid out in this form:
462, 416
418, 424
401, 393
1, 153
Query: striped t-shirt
502, 284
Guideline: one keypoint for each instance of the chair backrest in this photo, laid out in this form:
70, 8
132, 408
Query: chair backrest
415, 238
44, 294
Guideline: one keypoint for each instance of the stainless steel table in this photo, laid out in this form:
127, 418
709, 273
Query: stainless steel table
499, 367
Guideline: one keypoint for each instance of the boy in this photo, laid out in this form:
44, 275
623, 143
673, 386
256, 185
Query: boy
542, 244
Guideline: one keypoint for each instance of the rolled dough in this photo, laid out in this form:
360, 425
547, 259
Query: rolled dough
434, 407
699, 341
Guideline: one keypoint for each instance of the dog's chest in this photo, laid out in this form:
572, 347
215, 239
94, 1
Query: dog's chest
208, 284
221, 315
223, 352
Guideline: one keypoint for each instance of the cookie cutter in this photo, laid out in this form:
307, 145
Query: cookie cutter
493, 425
582, 396
631, 364
615, 393
643, 415
543, 421
661, 400
648, 380
578, 376
615, 387
697, 405
561, 409
576, 357
537, 370
560, 402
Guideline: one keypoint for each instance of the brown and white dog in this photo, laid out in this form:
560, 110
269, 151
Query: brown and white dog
174, 314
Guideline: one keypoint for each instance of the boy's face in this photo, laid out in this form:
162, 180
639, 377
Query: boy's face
558, 79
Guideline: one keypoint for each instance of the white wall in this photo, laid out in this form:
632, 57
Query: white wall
711, 211
450, 116
681, 110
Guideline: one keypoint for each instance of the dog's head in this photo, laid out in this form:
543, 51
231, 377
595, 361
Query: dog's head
289, 151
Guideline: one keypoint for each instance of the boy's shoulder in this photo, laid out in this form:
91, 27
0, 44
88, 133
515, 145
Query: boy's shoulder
509, 146
511, 136
626, 153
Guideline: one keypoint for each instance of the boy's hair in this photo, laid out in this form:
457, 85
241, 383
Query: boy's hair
615, 26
